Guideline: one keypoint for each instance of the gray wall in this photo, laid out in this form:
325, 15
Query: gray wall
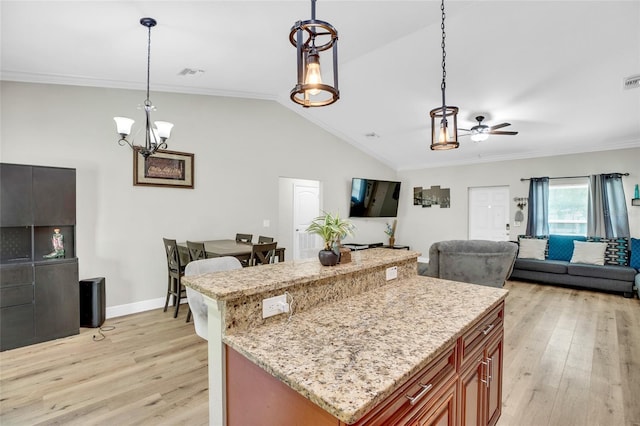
241, 149
424, 226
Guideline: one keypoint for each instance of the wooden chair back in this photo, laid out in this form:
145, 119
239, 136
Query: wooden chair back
173, 256
244, 238
262, 254
196, 251
262, 239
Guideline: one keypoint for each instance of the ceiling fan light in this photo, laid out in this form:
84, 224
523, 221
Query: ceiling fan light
479, 137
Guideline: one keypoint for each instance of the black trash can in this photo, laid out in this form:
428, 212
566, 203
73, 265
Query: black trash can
92, 302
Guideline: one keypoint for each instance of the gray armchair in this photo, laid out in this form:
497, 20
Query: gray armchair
472, 261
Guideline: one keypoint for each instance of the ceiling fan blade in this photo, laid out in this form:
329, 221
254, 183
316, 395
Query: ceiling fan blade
464, 130
499, 126
500, 132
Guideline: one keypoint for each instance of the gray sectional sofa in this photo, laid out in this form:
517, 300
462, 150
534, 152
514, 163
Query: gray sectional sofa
556, 268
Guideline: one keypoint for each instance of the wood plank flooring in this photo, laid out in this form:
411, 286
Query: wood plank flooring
572, 357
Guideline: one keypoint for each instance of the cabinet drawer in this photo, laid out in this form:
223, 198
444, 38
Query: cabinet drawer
16, 295
16, 326
481, 332
422, 388
18, 274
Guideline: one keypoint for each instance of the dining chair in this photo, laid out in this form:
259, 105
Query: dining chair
244, 238
196, 300
262, 254
175, 271
196, 251
262, 239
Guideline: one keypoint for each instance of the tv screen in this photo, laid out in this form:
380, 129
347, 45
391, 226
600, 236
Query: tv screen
374, 198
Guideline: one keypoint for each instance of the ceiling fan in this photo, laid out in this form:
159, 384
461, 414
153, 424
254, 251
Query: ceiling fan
481, 132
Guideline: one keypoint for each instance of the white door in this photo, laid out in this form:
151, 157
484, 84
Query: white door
306, 207
489, 213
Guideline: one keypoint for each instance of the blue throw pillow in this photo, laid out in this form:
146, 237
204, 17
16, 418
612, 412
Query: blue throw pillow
561, 246
635, 253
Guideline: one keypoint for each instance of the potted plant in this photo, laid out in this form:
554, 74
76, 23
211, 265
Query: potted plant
331, 228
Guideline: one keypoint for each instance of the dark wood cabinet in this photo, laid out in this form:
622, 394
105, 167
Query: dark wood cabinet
15, 196
57, 307
54, 196
39, 298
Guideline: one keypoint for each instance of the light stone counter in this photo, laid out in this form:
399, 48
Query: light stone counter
258, 280
353, 338
349, 355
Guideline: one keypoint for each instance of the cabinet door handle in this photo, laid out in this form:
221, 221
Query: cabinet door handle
414, 399
488, 329
483, 371
490, 368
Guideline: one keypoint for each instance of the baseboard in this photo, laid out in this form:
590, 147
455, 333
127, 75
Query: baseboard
134, 308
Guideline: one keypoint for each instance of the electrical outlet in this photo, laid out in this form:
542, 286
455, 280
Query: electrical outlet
274, 306
392, 273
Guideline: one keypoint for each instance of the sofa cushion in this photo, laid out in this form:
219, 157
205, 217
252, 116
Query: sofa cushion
617, 252
561, 246
532, 248
622, 273
635, 253
552, 266
588, 252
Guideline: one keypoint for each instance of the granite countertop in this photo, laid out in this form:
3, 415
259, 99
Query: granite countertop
349, 355
229, 285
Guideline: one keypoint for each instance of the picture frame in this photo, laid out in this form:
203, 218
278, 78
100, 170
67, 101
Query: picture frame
164, 168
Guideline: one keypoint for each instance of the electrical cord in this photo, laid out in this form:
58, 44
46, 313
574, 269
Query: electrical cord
101, 331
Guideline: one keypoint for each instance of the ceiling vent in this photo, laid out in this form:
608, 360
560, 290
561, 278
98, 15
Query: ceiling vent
632, 82
190, 72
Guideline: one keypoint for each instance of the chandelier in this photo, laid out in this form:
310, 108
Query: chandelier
444, 119
310, 38
155, 137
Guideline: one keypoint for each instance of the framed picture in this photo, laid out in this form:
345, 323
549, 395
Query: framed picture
164, 168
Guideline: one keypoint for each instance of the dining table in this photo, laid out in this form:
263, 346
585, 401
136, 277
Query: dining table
219, 248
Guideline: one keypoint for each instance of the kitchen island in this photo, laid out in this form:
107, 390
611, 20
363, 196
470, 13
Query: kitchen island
356, 347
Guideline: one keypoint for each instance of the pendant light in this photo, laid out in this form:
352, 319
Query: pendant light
311, 38
155, 137
444, 119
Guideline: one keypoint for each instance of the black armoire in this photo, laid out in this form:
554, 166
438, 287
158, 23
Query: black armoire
39, 298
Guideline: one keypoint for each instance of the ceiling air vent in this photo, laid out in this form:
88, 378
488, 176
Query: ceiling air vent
632, 82
190, 72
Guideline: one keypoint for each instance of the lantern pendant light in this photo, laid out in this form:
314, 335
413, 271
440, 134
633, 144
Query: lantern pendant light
311, 38
444, 119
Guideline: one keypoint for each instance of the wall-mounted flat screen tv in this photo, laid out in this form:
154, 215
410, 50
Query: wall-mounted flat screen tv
374, 198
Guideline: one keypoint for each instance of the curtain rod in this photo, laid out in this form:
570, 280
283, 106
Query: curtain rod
576, 177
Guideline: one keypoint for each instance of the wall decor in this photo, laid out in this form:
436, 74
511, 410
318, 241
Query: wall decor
164, 168
434, 196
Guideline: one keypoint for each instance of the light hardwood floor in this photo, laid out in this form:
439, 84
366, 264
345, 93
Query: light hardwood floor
572, 357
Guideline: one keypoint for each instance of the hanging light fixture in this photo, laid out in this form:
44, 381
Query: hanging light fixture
310, 38
155, 137
444, 120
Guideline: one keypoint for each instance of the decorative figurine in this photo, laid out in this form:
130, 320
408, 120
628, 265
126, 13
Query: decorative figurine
58, 245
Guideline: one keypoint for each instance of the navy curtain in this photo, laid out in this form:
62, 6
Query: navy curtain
538, 215
607, 211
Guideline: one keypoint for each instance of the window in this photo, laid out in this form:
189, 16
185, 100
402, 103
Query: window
568, 208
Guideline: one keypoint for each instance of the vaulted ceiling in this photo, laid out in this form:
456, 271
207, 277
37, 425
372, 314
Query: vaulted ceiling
553, 69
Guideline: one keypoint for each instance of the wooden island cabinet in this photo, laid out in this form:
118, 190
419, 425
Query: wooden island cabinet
461, 387
357, 348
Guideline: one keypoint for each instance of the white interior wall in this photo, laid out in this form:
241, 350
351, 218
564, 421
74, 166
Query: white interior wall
241, 149
420, 227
